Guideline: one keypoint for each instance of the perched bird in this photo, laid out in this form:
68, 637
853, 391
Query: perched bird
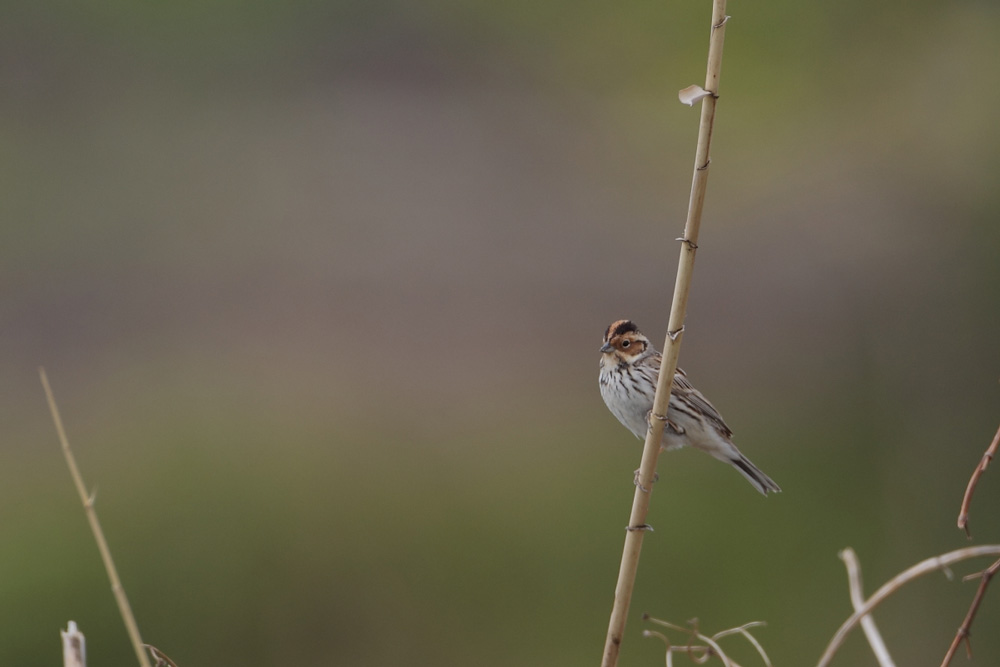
630, 366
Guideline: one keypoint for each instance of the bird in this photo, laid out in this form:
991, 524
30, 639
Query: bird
630, 366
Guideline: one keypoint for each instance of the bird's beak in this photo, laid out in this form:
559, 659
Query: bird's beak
606, 348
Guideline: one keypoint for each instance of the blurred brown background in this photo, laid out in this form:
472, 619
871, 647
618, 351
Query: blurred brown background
320, 287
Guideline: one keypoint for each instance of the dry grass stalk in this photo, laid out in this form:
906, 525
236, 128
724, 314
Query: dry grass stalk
95, 526
710, 647
671, 348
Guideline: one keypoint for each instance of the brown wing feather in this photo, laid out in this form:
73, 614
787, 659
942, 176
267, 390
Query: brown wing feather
683, 389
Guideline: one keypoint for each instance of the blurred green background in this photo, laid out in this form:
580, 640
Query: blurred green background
320, 287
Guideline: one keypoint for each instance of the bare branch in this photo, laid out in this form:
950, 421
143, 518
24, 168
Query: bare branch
963, 512
964, 631
941, 562
857, 600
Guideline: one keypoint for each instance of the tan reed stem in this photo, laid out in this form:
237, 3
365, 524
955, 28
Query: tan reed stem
95, 527
671, 347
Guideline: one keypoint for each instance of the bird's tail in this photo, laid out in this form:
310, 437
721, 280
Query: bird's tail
755, 475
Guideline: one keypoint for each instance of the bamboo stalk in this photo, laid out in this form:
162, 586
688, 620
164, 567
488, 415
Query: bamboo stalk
671, 347
95, 526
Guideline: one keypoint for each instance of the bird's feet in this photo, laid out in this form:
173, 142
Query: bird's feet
635, 480
679, 430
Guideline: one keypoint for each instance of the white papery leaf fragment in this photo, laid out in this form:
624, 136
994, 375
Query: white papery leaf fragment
692, 94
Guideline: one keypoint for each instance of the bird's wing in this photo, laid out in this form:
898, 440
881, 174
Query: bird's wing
684, 390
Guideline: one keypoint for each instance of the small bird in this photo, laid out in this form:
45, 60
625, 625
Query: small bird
630, 366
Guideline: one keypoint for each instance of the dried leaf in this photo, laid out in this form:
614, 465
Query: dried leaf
692, 94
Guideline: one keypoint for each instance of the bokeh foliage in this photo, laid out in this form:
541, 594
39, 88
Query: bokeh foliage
319, 289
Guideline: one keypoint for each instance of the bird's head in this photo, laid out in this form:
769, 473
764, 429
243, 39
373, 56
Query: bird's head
623, 343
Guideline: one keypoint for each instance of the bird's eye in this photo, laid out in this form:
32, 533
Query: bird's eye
626, 343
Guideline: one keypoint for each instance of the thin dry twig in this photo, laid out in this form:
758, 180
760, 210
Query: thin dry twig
162, 660
963, 512
701, 654
857, 600
95, 526
942, 562
743, 630
964, 632
651, 450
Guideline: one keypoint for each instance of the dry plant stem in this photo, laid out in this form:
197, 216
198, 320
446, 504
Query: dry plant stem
941, 562
963, 513
88, 506
712, 647
964, 631
162, 660
701, 654
857, 600
753, 642
671, 349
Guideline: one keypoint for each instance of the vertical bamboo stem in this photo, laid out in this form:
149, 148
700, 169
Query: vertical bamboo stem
671, 347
